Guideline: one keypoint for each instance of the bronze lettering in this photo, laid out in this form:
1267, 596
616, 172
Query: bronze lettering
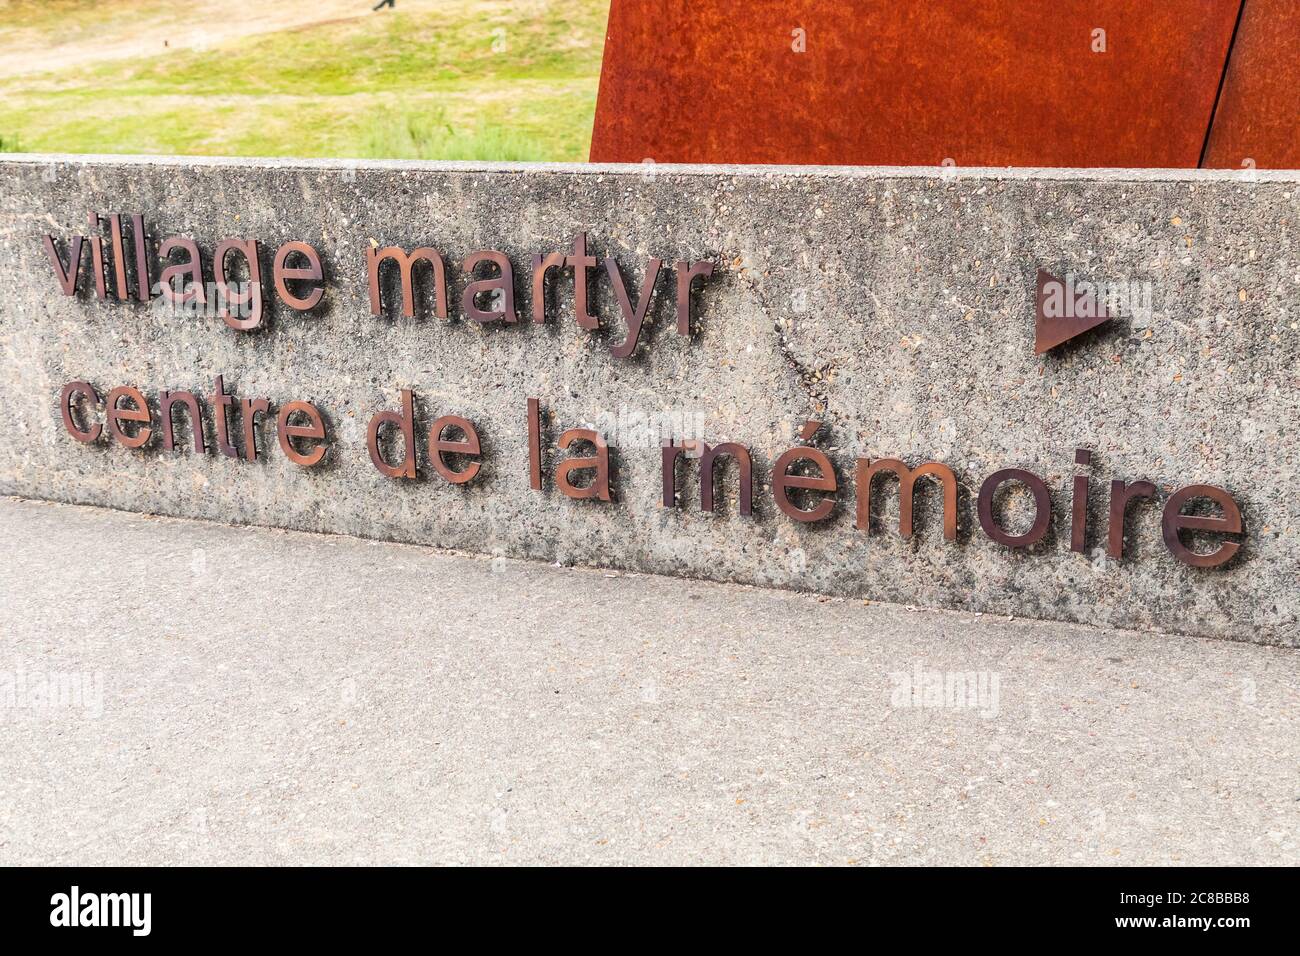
191, 270
1079, 504
686, 273
404, 421
1042, 508
406, 265
1120, 496
250, 408
137, 412
634, 317
867, 471
251, 297
165, 403
599, 487
469, 447
708, 465
669, 454
282, 274
541, 266
580, 262
782, 481
534, 445
119, 256
97, 257
503, 282
67, 277
66, 398
220, 402
287, 433
142, 290
1173, 521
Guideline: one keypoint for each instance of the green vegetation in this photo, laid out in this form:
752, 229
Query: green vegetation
430, 136
443, 79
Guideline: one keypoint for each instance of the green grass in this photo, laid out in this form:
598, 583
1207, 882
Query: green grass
430, 136
480, 79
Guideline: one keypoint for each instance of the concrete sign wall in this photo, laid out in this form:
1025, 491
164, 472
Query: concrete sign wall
855, 323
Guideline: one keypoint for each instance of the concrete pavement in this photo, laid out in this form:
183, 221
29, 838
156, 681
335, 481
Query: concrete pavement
182, 692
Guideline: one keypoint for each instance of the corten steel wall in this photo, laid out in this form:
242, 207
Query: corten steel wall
1258, 116
895, 306
990, 83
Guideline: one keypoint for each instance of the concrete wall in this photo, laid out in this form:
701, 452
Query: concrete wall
895, 306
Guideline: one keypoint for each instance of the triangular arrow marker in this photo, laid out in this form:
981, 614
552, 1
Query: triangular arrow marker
1060, 314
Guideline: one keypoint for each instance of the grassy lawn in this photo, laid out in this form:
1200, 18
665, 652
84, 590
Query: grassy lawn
442, 79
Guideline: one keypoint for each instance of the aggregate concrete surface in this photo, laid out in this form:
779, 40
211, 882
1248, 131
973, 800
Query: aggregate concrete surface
894, 306
239, 695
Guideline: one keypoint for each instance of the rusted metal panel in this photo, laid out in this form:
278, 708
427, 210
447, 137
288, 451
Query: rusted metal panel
999, 82
1259, 107
1073, 314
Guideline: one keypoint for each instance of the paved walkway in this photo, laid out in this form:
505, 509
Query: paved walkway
181, 692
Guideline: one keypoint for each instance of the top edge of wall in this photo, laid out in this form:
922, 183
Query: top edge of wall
640, 169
